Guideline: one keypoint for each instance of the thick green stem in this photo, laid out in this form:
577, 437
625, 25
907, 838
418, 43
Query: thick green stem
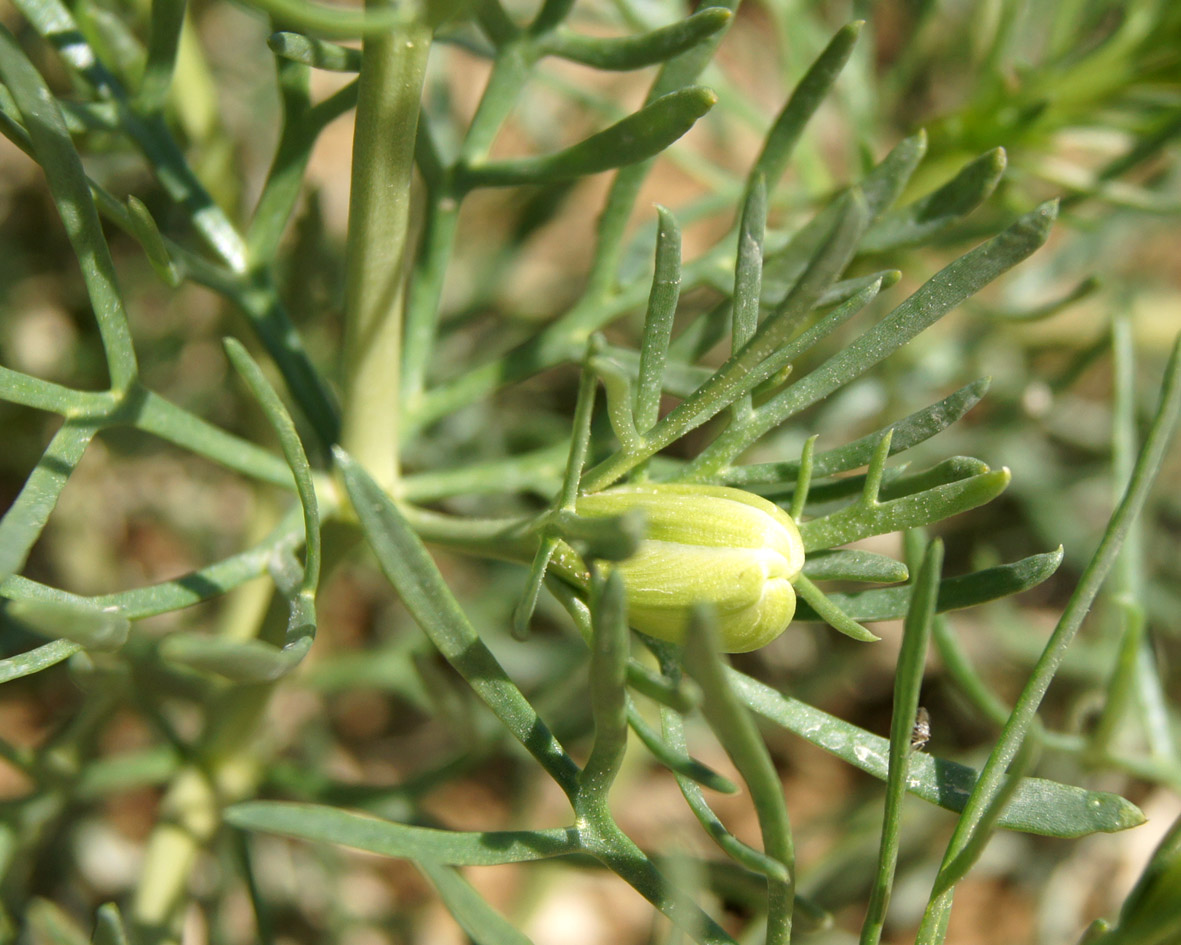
392, 73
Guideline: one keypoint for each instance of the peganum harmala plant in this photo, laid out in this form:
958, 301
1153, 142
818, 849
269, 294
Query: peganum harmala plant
625, 483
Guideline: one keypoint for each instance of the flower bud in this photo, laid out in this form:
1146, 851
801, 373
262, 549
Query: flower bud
706, 544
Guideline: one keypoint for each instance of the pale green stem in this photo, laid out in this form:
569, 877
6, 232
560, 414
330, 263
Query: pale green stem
392, 71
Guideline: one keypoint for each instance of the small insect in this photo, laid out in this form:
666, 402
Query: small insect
921, 733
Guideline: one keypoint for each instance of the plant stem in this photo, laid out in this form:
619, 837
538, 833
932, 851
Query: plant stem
392, 72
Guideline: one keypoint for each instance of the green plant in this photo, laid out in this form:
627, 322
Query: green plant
423, 447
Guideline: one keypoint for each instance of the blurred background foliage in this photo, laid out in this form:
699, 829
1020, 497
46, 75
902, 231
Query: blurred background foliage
1085, 98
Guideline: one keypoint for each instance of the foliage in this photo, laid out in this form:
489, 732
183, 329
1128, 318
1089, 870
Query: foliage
422, 392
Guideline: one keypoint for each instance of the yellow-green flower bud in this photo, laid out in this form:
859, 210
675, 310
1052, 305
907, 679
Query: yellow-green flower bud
706, 544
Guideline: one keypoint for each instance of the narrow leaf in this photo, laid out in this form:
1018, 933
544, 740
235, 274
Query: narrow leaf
35, 660
880, 187
968, 590
410, 569
740, 737
908, 681
71, 194
387, 838
27, 515
910, 431
938, 296
924, 219
855, 566
95, 628
317, 53
812, 89
638, 137
658, 322
293, 452
108, 926
246, 661
148, 234
168, 17
856, 521
636, 52
1041, 807
470, 910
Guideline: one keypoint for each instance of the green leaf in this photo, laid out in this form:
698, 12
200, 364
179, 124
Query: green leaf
812, 89
636, 52
610, 647
952, 469
892, 603
387, 838
1042, 807
819, 604
938, 296
148, 234
854, 566
880, 187
926, 218
168, 17
740, 737
908, 681
54, 151
35, 660
638, 137
677, 762
50, 923
184, 591
415, 576
334, 21
910, 431
95, 628
992, 782
857, 520
27, 515
317, 53
293, 452
108, 926
18, 388
479, 920
246, 661
1151, 915
658, 321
